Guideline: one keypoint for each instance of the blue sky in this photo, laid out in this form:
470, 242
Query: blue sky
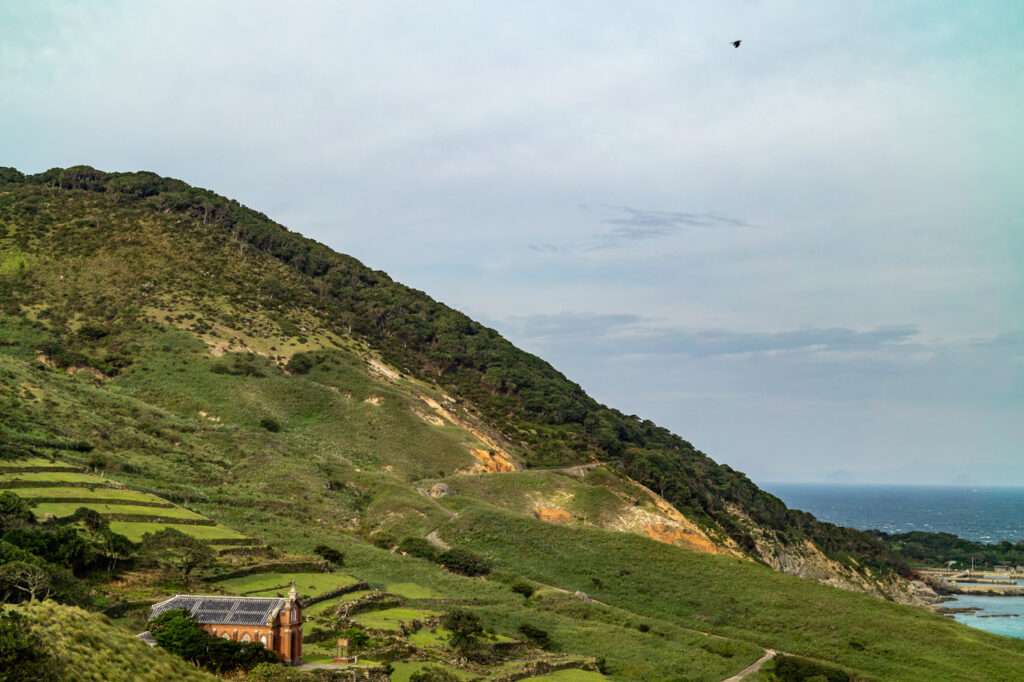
804, 255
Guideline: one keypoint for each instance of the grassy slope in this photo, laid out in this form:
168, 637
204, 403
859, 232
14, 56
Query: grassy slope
738, 599
92, 650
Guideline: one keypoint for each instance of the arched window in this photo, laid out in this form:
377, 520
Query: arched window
225, 636
246, 638
263, 640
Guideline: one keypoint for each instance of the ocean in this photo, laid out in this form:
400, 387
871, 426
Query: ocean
976, 513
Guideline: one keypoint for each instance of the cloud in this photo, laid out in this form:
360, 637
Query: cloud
630, 225
635, 224
634, 334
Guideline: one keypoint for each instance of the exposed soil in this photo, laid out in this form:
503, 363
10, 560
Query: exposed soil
553, 515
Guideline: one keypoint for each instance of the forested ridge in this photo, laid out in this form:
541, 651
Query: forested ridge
550, 420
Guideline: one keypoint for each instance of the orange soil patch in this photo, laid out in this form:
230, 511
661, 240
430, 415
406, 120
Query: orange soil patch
673, 535
552, 515
494, 459
492, 462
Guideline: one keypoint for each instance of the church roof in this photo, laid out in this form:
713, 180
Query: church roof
221, 610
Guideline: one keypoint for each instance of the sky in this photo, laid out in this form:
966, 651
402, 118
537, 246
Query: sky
805, 255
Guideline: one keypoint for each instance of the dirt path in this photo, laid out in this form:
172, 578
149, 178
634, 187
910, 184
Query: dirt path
754, 667
424, 493
436, 541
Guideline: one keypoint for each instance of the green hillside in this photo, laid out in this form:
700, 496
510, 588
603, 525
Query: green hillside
86, 647
169, 358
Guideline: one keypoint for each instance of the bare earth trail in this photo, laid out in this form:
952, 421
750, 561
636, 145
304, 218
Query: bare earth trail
754, 667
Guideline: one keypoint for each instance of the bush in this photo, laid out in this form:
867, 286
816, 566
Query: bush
300, 363
270, 425
92, 332
330, 555
524, 588
383, 540
464, 562
418, 547
465, 628
537, 637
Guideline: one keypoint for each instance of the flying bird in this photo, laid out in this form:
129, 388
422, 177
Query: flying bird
736, 43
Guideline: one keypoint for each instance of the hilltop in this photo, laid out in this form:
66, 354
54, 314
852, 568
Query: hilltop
265, 394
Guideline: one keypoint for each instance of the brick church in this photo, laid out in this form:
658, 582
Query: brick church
274, 622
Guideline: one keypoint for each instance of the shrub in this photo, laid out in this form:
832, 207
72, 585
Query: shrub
524, 588
464, 562
92, 332
418, 547
535, 636
270, 424
300, 363
330, 554
383, 540
465, 628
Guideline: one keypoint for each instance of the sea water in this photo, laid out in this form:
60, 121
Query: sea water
976, 513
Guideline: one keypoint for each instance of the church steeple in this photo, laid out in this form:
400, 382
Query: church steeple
293, 594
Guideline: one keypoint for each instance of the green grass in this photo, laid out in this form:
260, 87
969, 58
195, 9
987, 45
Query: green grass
268, 584
98, 493
737, 599
424, 637
28, 462
410, 590
328, 604
403, 671
55, 477
67, 508
389, 619
91, 649
134, 530
569, 675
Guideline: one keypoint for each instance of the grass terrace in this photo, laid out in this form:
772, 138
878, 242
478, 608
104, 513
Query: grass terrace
70, 490
569, 675
270, 584
403, 671
389, 619
68, 508
125, 495
328, 604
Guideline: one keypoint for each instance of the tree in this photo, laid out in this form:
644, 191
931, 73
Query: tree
27, 578
178, 632
172, 549
465, 628
14, 513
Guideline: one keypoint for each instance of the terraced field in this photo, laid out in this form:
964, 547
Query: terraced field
270, 584
389, 619
57, 489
